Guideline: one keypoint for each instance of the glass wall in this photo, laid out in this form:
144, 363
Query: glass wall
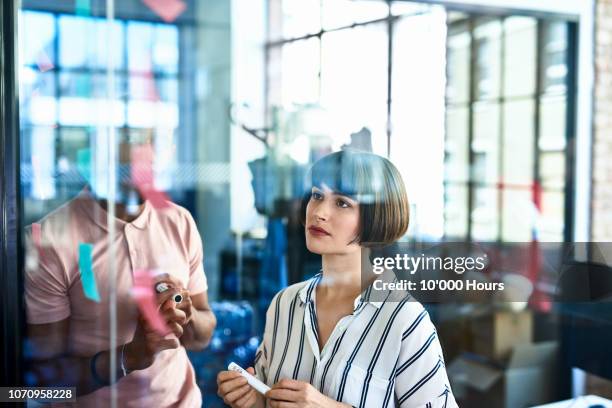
170, 140
507, 136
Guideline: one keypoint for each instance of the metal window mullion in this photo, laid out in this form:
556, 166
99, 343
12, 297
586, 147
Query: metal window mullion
389, 74
471, 100
502, 118
537, 109
570, 132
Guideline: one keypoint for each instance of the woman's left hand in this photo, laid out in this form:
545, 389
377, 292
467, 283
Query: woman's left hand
293, 393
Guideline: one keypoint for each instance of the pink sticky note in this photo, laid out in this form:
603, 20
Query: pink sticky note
144, 294
167, 10
44, 62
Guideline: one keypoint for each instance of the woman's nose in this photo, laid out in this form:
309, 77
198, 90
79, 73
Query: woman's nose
321, 212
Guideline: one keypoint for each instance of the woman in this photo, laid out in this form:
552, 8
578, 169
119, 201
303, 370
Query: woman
326, 346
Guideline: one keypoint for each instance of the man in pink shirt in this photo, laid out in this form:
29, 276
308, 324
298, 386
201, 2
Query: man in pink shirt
70, 333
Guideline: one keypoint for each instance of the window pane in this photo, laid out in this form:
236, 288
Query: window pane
404, 8
519, 215
87, 85
418, 119
300, 72
140, 46
165, 49
458, 67
552, 217
354, 83
518, 145
552, 170
83, 42
485, 143
484, 215
520, 56
455, 211
43, 162
456, 145
552, 123
554, 69
37, 49
341, 13
488, 59
90, 112
301, 17
149, 88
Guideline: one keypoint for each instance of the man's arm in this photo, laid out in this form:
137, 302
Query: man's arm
198, 331
53, 366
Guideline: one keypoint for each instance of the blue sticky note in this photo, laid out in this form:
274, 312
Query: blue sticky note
84, 163
88, 280
82, 8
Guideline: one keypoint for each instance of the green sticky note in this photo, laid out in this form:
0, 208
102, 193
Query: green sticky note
82, 7
84, 163
83, 86
88, 279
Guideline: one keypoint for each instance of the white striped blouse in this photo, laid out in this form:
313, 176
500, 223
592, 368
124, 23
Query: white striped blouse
385, 354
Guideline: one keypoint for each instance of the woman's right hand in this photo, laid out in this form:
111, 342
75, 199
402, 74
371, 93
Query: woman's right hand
140, 352
235, 390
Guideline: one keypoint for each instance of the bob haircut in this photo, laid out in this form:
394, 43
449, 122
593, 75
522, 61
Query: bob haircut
371, 180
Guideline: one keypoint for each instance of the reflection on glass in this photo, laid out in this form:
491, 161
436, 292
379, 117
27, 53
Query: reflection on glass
458, 67
354, 83
552, 123
518, 144
554, 72
552, 169
487, 36
86, 42
300, 68
520, 34
341, 13
300, 17
457, 146
519, 215
485, 143
552, 217
37, 50
455, 211
484, 215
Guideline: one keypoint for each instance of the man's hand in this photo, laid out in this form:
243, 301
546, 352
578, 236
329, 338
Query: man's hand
140, 352
293, 393
175, 314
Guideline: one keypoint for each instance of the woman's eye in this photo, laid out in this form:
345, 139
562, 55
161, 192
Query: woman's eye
316, 195
342, 204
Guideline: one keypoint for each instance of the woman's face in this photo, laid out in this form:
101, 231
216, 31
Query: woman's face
332, 221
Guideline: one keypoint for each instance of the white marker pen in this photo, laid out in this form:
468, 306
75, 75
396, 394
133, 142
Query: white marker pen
163, 286
253, 382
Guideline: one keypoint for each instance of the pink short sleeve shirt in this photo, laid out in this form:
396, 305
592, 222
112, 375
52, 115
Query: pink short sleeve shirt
163, 240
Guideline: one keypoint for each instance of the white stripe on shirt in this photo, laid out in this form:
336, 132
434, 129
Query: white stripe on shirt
383, 350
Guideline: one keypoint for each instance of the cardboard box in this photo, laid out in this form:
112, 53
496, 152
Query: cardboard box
496, 333
527, 380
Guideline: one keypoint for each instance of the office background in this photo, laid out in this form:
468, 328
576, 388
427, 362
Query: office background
495, 112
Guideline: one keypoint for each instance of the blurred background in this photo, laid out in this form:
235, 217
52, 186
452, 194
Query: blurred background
495, 113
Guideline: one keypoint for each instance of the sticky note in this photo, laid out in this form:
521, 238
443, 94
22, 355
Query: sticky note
84, 163
167, 10
82, 7
88, 279
144, 294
